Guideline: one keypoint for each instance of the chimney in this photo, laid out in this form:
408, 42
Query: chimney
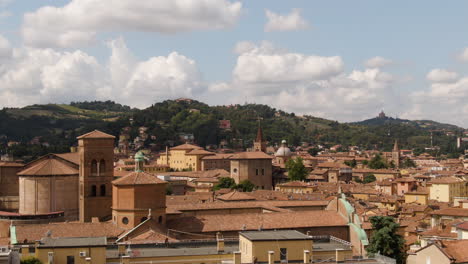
271, 257
237, 257
306, 256
219, 242
340, 255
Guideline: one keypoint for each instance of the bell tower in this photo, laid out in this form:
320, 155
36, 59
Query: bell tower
396, 154
96, 152
259, 143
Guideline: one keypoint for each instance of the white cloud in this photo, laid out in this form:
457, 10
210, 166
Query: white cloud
35, 75
441, 75
463, 56
5, 48
290, 22
377, 62
79, 21
310, 84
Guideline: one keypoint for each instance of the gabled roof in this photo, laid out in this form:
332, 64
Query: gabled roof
138, 178
199, 152
446, 180
235, 196
95, 134
48, 166
186, 147
72, 157
250, 155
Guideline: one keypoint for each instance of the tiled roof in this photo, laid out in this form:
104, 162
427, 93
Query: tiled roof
235, 196
217, 156
198, 174
150, 237
456, 250
250, 155
47, 167
186, 147
72, 157
446, 180
138, 178
268, 221
11, 164
295, 184
95, 134
200, 152
332, 165
462, 212
33, 232
48, 242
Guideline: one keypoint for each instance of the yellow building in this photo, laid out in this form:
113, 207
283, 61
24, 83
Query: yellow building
184, 157
419, 197
71, 250
444, 189
296, 187
267, 246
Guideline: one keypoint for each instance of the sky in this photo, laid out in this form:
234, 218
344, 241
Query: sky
341, 60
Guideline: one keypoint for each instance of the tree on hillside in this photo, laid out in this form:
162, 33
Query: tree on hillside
351, 163
408, 163
369, 179
225, 182
296, 169
377, 162
385, 240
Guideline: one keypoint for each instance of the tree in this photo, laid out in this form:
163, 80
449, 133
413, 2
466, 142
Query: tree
225, 182
351, 163
385, 240
408, 163
313, 151
369, 179
296, 169
30, 260
245, 186
377, 162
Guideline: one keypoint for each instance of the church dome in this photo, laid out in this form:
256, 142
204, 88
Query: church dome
283, 151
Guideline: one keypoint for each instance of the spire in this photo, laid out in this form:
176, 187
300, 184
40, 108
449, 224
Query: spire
396, 147
259, 137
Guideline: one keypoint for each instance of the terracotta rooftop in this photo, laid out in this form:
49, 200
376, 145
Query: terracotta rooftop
72, 157
200, 152
250, 155
406, 179
332, 165
295, 184
462, 212
95, 134
235, 196
33, 232
150, 237
198, 174
47, 167
446, 180
186, 147
456, 249
463, 226
10, 164
217, 156
255, 221
138, 178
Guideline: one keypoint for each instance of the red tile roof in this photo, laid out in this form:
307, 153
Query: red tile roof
95, 134
186, 147
47, 167
250, 155
138, 178
235, 196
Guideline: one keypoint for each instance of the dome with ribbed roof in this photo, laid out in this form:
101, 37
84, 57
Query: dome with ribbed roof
283, 151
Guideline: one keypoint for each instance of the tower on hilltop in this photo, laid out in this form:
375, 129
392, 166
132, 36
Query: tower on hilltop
396, 154
259, 143
96, 152
382, 115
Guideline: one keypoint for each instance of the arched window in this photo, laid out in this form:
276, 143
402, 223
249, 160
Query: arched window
160, 219
103, 189
102, 167
94, 168
93, 190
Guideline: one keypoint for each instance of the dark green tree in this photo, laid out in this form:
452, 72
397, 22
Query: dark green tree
351, 163
30, 260
245, 186
369, 179
225, 182
408, 163
296, 169
377, 162
385, 239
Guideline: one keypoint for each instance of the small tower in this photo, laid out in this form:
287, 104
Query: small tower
96, 172
396, 154
259, 143
138, 196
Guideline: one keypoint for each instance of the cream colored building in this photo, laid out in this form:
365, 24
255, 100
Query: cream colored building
184, 157
444, 189
71, 250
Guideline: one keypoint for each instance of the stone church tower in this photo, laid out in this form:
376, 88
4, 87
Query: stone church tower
96, 152
396, 154
259, 143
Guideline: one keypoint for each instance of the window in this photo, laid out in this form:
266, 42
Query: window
263, 171
283, 254
160, 219
235, 170
70, 259
103, 189
102, 167
94, 168
125, 220
256, 171
93, 191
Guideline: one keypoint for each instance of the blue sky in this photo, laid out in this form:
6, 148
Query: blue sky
315, 68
